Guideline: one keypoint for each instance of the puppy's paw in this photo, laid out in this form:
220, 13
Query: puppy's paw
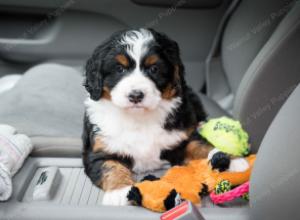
117, 197
220, 161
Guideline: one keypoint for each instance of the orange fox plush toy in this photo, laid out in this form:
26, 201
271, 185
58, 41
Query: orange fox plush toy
190, 182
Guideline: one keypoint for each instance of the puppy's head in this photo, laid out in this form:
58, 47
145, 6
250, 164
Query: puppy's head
135, 69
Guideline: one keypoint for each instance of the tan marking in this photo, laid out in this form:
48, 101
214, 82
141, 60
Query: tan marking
190, 130
106, 93
176, 73
170, 90
151, 60
98, 144
122, 59
115, 176
197, 150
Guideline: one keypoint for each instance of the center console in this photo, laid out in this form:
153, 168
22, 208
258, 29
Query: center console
57, 188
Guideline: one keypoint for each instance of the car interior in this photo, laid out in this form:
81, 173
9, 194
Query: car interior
242, 57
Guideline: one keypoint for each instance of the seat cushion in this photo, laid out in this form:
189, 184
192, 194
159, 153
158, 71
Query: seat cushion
47, 105
40, 105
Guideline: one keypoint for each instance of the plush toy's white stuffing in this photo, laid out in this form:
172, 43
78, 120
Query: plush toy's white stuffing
236, 165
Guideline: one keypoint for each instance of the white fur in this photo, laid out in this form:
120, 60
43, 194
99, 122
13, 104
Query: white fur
140, 136
136, 81
136, 43
117, 197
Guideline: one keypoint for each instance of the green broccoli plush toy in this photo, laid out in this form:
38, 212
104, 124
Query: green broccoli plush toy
227, 135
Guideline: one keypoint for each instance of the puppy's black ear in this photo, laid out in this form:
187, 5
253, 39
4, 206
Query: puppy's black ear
170, 49
93, 76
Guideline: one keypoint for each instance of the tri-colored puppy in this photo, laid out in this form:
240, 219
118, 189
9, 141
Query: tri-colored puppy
140, 113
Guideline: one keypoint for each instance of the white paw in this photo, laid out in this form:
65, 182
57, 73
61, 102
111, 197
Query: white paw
117, 197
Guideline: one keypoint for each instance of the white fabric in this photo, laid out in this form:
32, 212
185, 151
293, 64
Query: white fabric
5, 183
236, 164
212, 153
8, 82
14, 148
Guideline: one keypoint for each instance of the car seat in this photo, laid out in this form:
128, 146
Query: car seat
261, 71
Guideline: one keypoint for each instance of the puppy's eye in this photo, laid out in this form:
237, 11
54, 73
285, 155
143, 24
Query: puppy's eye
153, 69
120, 69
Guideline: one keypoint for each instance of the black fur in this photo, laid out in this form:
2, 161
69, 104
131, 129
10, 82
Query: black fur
93, 162
176, 156
100, 66
102, 71
191, 110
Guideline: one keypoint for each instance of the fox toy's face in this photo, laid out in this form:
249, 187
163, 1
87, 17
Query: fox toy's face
136, 70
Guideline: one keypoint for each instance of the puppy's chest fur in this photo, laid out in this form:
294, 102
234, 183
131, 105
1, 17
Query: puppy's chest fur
140, 136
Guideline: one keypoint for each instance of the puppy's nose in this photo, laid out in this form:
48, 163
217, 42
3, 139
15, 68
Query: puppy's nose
136, 96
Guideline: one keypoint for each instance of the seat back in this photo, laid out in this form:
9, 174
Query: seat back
275, 180
270, 79
248, 29
261, 57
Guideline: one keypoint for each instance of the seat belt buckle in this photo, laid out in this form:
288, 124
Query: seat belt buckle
185, 211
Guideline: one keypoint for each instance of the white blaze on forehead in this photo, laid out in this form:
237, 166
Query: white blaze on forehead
136, 43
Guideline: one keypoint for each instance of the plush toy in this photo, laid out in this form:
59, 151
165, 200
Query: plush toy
227, 135
224, 192
190, 182
199, 177
231, 143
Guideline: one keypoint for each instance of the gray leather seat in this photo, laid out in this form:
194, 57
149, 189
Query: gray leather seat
260, 55
212, 108
260, 59
275, 179
274, 187
47, 105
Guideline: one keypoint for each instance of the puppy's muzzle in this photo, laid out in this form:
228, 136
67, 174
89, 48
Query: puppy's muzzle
136, 96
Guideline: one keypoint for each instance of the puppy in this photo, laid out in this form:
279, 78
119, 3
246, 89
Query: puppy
140, 113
